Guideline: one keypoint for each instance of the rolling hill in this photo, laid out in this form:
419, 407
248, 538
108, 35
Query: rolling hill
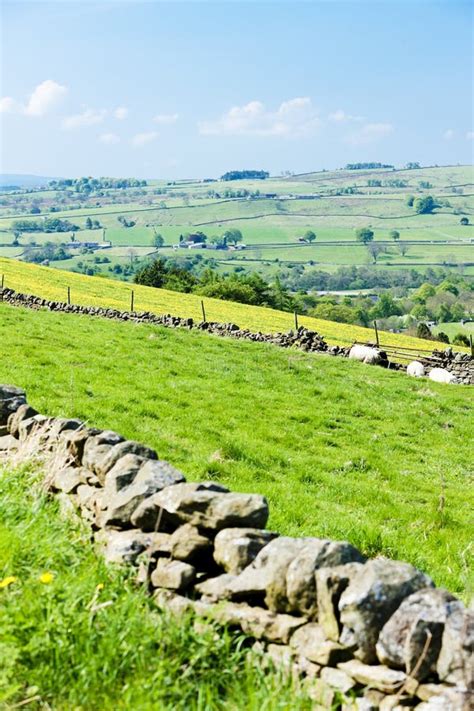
96, 291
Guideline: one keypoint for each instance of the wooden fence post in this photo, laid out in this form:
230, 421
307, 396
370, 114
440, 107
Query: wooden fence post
376, 333
296, 320
203, 310
69, 296
132, 300
472, 345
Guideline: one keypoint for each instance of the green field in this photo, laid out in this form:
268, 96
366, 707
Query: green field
279, 221
97, 291
340, 449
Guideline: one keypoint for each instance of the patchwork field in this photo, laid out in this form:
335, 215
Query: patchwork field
272, 222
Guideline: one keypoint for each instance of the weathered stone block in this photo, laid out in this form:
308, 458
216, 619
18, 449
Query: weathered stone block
371, 598
236, 548
172, 574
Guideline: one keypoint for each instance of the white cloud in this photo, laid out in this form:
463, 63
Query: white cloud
44, 97
470, 135
296, 117
340, 116
370, 133
121, 113
164, 119
7, 105
448, 135
109, 139
89, 117
142, 139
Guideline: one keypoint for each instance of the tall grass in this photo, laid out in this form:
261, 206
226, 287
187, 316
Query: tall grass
78, 635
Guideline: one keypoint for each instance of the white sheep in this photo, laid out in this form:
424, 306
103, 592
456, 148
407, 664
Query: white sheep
365, 354
441, 375
416, 369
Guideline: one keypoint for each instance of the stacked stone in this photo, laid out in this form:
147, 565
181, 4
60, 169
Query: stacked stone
461, 365
375, 633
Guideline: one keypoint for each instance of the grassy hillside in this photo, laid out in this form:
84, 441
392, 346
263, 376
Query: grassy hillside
83, 637
52, 284
340, 449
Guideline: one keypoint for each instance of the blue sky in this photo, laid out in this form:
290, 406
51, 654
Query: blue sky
188, 89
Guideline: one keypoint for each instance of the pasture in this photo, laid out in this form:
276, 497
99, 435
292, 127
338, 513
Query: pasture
97, 291
341, 450
285, 209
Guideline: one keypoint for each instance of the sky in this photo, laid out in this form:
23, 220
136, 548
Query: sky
175, 89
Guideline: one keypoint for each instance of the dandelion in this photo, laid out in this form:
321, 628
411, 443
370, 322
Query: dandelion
46, 578
8, 581
100, 586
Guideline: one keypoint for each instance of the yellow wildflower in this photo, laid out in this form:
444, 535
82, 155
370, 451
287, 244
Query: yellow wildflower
46, 578
100, 586
7, 581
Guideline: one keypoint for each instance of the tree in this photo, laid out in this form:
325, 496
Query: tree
88, 224
402, 248
410, 200
364, 235
424, 205
233, 235
374, 250
158, 240
35, 210
423, 331
309, 236
395, 235
464, 221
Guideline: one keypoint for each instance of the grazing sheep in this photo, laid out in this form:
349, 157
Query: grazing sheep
440, 375
416, 369
366, 354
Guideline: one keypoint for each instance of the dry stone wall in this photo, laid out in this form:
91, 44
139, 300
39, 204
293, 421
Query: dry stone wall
460, 365
362, 634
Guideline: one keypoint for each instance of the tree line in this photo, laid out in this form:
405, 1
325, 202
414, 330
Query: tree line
91, 185
245, 175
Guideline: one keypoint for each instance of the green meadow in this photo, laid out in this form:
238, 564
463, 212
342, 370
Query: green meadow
340, 449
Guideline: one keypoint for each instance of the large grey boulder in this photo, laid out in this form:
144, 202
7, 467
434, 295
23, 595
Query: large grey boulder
330, 584
119, 450
236, 548
8, 443
411, 639
371, 598
301, 585
205, 505
125, 546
